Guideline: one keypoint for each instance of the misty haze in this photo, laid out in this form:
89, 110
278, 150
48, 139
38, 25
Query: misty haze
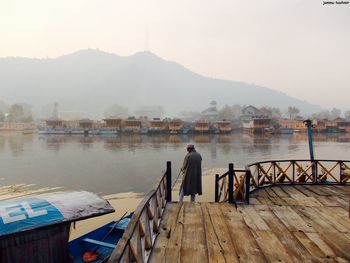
184, 131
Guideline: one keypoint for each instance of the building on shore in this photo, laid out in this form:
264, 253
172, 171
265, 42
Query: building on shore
254, 121
210, 113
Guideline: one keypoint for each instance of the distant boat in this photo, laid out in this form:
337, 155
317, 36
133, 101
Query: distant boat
286, 130
108, 131
144, 130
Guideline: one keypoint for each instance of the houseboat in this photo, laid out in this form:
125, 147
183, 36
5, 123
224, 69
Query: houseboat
327, 126
344, 125
53, 126
87, 126
157, 126
223, 126
201, 126
112, 126
292, 125
132, 125
175, 126
257, 125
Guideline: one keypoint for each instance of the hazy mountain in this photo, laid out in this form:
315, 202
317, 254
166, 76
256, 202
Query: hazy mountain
92, 80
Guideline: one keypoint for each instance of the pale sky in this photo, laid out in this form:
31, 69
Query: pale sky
299, 47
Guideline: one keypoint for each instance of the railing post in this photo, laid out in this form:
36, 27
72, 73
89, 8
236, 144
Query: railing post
216, 188
230, 183
247, 184
315, 172
274, 172
168, 181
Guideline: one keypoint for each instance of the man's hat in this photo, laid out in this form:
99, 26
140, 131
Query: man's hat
190, 146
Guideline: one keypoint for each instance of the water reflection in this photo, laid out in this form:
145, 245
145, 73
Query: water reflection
15, 142
134, 162
179, 139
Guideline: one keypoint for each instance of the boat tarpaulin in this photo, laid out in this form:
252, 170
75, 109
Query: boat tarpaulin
21, 214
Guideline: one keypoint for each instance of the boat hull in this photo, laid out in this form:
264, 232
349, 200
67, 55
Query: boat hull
102, 240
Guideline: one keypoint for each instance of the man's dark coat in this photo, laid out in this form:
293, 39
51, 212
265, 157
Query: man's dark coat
192, 168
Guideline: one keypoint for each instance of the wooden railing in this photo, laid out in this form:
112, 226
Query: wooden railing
143, 228
237, 184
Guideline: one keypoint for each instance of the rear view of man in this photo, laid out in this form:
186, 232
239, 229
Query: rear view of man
192, 169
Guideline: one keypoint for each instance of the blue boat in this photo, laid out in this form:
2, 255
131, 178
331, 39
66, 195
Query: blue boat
36, 228
100, 242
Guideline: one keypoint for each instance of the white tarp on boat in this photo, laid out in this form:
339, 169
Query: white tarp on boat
31, 212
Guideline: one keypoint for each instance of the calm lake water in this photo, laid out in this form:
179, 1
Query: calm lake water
134, 163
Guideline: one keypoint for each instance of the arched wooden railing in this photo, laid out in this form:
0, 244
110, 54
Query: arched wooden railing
237, 184
139, 237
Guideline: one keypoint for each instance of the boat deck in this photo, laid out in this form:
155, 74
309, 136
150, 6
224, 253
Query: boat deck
282, 224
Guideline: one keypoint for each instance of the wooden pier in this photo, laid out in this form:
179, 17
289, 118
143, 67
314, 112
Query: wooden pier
282, 224
262, 214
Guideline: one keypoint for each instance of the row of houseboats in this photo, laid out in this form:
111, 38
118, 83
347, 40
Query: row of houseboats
113, 126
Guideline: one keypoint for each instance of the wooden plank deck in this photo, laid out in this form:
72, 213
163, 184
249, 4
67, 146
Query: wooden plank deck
282, 224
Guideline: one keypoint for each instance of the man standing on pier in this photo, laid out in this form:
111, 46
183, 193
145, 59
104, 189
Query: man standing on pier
192, 170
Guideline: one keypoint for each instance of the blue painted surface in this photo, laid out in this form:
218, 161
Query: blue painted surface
25, 214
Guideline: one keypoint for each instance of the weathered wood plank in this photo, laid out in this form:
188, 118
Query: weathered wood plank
215, 250
327, 201
294, 193
304, 190
318, 190
194, 245
339, 243
342, 224
272, 248
172, 252
170, 212
265, 200
215, 220
270, 192
315, 237
254, 201
243, 240
253, 219
292, 220
279, 191
295, 250
311, 247
278, 201
318, 222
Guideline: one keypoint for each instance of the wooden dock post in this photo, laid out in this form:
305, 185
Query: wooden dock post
217, 188
247, 184
168, 181
230, 183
